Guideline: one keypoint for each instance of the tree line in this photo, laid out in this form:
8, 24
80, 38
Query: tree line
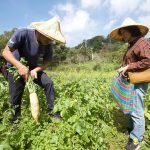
95, 48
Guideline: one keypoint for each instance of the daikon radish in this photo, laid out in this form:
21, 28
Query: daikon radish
34, 102
35, 109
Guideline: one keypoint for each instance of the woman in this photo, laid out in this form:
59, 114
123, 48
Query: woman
136, 58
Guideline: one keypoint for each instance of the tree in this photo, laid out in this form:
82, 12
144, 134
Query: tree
96, 43
60, 52
5, 37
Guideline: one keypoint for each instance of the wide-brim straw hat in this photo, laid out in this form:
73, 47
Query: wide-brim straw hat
51, 29
127, 23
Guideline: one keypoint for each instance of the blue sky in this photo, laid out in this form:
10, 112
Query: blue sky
80, 19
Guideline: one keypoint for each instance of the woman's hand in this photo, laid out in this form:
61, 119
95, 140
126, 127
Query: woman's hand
33, 74
123, 70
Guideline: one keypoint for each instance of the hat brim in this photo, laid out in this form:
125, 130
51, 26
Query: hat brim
116, 36
62, 40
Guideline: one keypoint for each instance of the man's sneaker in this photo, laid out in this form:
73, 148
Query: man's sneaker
133, 144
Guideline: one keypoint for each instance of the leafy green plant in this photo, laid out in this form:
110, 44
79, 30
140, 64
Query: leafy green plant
147, 109
88, 122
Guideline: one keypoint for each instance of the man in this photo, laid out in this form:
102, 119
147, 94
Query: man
30, 44
136, 58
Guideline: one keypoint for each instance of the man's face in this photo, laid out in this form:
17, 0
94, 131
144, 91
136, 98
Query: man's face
44, 40
126, 35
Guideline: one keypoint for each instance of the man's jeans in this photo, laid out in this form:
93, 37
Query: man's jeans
16, 91
137, 120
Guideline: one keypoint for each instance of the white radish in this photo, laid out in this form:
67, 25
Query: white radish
34, 102
35, 109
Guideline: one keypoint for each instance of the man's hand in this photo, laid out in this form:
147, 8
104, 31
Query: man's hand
123, 70
33, 73
24, 72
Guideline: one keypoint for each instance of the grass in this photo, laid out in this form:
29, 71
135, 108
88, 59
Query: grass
104, 70
89, 66
87, 70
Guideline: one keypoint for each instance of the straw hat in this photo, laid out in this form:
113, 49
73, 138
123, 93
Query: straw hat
50, 29
127, 23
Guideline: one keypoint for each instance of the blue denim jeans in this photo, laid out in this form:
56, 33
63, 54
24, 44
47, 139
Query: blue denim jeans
137, 119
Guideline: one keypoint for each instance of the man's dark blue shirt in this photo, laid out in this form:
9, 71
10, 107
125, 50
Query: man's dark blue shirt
25, 44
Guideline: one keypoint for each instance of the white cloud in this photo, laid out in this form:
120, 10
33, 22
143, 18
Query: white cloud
76, 23
88, 18
123, 7
109, 25
105, 3
91, 3
68, 8
145, 20
145, 6
78, 26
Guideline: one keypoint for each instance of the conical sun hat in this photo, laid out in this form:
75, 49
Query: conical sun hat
51, 29
127, 23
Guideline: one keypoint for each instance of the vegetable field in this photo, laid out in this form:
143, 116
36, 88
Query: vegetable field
91, 120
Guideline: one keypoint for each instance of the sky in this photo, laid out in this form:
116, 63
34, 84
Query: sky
80, 19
